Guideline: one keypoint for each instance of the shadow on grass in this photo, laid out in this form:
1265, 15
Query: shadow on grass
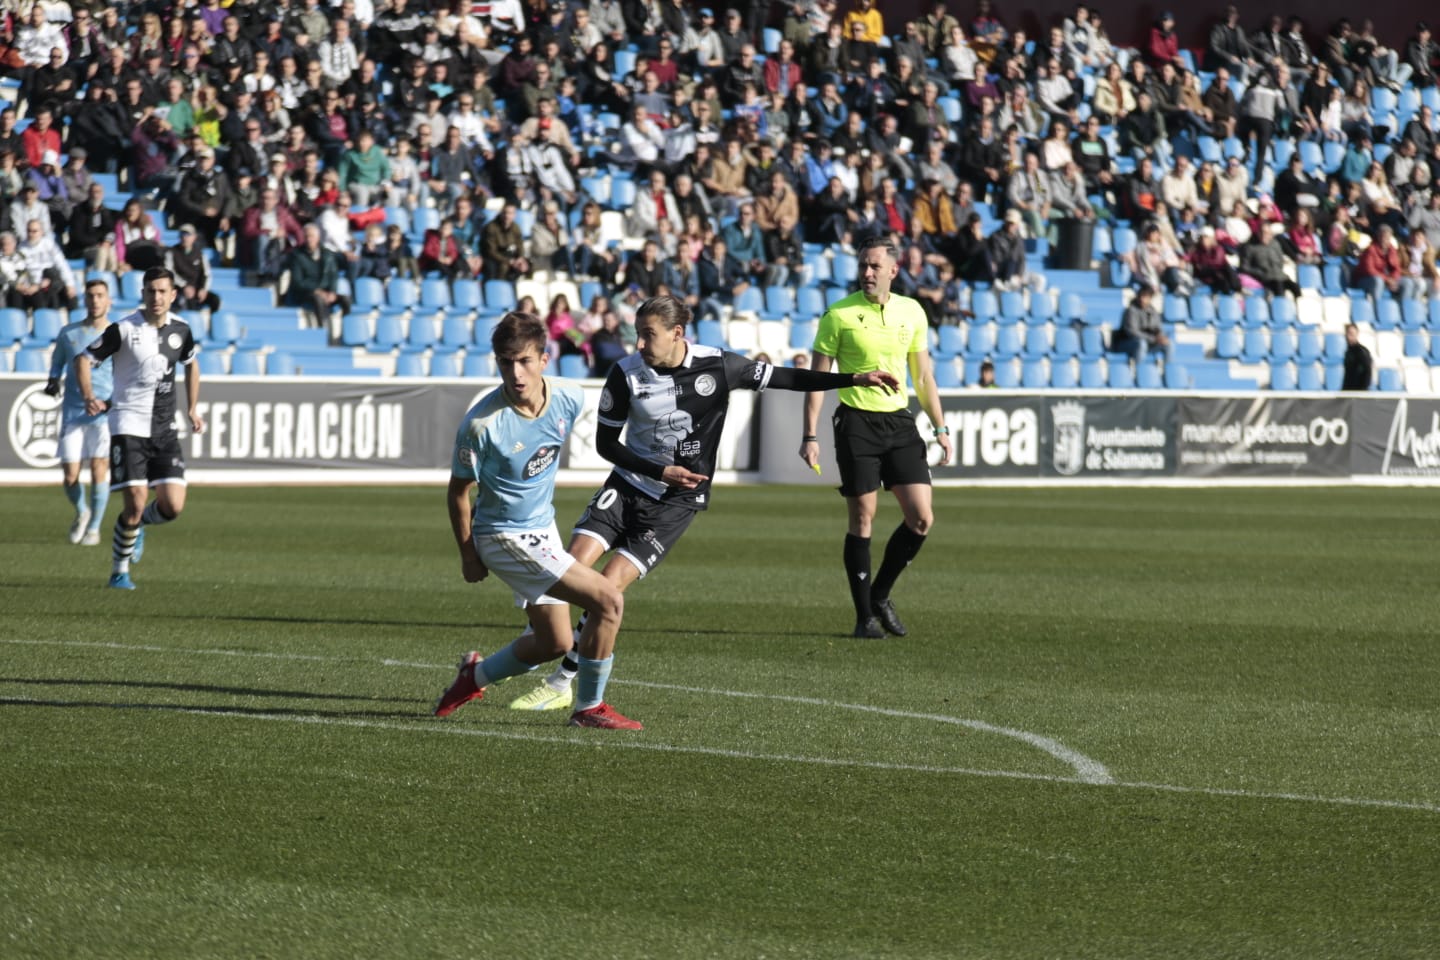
419, 714
203, 688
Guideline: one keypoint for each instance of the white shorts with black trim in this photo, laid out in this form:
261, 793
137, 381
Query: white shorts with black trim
85, 441
529, 561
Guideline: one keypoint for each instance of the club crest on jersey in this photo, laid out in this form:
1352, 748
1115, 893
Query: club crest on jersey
467, 457
606, 401
544, 458
704, 384
174, 340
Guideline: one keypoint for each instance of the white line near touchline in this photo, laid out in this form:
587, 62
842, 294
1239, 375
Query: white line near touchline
619, 743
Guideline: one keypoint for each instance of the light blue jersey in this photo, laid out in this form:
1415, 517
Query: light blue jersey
69, 344
514, 458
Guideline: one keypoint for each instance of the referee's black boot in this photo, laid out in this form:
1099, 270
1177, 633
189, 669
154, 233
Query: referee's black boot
869, 629
889, 619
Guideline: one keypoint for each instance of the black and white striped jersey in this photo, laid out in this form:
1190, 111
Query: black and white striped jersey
143, 401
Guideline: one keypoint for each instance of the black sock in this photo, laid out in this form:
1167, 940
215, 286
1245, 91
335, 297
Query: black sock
904, 544
857, 571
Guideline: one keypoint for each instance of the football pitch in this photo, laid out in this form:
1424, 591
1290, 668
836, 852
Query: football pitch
1125, 723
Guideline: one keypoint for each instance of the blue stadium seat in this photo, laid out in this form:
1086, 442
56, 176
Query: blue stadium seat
1412, 315
389, 331
132, 284
1120, 274
980, 344
1309, 276
410, 364
625, 61
247, 363
1043, 307
779, 302
985, 305
1067, 343
212, 363
845, 268
14, 326
466, 294
1311, 376
1176, 309
479, 364
1284, 345
455, 331
1072, 306
1387, 314
622, 194
1202, 308
1092, 373
224, 327
1228, 343
952, 340
1311, 156
1283, 312
45, 326
1334, 347
1034, 374
1125, 240
1012, 304
355, 330
1417, 344
445, 364
1257, 345
398, 217
809, 302
499, 295
1007, 342
368, 292
1121, 376
401, 292
1362, 310
802, 336
1092, 341
1037, 343
1311, 345
1147, 377
484, 329
422, 333
710, 333
817, 270
110, 279
434, 292
751, 300
1229, 309
1177, 377
1102, 243
770, 41
1332, 279
1257, 311
947, 373
280, 364
1006, 376
1283, 376
32, 360
1062, 375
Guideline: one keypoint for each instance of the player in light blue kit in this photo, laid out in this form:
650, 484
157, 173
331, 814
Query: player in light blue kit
509, 444
84, 436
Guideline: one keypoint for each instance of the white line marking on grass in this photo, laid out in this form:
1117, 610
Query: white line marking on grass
581, 740
1086, 769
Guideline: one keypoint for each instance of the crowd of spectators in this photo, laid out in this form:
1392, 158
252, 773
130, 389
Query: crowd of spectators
286, 134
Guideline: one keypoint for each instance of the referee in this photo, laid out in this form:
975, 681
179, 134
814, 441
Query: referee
876, 439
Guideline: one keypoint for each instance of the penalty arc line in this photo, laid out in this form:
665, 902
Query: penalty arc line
707, 751
1087, 770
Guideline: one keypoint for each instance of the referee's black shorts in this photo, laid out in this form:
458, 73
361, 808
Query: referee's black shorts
874, 449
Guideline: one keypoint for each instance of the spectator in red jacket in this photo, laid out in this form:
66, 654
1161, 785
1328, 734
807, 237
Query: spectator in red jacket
267, 231
1164, 45
40, 137
782, 73
1379, 266
442, 252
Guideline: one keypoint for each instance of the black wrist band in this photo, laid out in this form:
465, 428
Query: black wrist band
809, 438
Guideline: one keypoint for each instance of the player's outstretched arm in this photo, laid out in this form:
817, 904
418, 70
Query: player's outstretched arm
791, 378
609, 446
457, 501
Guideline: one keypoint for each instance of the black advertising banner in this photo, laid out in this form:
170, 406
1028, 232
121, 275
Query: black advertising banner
1267, 436
1396, 438
1103, 437
992, 436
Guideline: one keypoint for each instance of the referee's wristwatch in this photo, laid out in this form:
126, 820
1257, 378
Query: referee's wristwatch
942, 431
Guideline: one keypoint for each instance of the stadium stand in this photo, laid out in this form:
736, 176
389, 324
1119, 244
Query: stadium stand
448, 221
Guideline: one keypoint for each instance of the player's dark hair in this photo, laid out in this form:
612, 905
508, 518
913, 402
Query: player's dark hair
515, 332
97, 282
879, 241
157, 273
668, 310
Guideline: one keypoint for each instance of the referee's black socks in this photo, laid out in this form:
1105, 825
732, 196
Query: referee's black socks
857, 571
904, 544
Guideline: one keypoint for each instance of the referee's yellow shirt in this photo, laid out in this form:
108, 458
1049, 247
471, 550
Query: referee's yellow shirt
864, 336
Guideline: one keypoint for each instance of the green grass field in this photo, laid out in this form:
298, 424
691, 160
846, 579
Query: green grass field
1126, 723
